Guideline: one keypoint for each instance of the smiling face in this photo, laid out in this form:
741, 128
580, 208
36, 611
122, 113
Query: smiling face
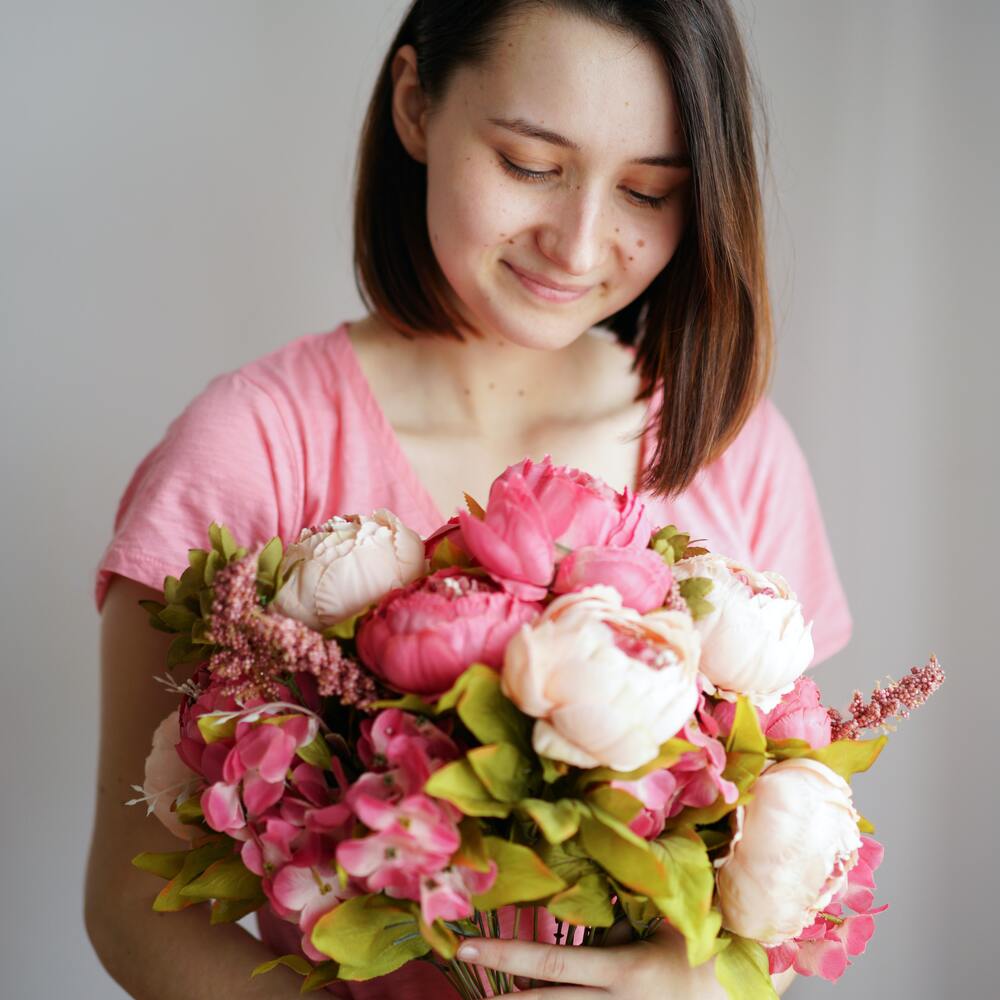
534, 171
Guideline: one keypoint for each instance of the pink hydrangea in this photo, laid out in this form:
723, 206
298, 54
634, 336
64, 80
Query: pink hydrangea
827, 945
695, 780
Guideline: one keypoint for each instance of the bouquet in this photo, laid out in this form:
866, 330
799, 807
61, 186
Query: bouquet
546, 719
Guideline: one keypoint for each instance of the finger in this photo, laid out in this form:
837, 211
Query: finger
555, 963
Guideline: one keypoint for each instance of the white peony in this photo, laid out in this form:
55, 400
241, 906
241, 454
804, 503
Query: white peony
606, 684
794, 844
341, 567
168, 778
755, 641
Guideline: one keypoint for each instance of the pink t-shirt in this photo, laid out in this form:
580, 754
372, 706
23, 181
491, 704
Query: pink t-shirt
297, 436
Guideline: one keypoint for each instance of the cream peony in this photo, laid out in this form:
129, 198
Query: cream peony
755, 642
794, 844
168, 777
341, 567
606, 684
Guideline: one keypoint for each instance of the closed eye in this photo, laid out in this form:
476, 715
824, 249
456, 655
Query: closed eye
537, 176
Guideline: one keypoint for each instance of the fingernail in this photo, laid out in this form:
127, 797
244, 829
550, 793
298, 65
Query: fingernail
467, 952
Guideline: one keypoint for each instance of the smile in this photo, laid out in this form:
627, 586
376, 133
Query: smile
549, 292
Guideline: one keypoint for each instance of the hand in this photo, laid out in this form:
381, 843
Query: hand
640, 970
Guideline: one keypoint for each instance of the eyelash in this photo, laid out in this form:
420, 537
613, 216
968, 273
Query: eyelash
535, 176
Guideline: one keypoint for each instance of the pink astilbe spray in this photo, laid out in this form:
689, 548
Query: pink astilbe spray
893, 702
256, 645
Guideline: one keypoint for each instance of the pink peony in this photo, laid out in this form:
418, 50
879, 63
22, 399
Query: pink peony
798, 716
305, 893
537, 512
421, 637
823, 948
639, 575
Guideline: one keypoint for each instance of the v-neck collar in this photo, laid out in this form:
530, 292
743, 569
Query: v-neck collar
397, 457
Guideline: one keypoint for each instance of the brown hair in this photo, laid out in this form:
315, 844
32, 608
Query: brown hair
702, 328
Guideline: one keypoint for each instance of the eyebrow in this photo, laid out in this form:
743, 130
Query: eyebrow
532, 131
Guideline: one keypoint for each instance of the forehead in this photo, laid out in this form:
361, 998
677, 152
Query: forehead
605, 89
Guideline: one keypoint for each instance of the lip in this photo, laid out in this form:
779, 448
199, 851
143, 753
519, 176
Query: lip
544, 288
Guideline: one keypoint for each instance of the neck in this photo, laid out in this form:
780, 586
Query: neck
488, 386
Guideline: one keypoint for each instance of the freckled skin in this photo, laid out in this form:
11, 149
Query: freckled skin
611, 95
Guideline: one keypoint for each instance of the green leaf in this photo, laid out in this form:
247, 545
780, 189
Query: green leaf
164, 865
742, 769
215, 726
503, 769
317, 753
474, 508
623, 855
865, 826
179, 617
222, 540
324, 974
558, 821
567, 860
669, 543
225, 879
228, 911
639, 910
616, 801
198, 859
521, 876
447, 554
588, 902
688, 904
183, 650
344, 629
487, 713
408, 703
746, 735
294, 962
268, 564
369, 936
441, 940
552, 770
741, 968
693, 591
472, 850
459, 784
189, 811
845, 757
670, 752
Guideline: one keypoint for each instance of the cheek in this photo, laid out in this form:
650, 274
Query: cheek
469, 213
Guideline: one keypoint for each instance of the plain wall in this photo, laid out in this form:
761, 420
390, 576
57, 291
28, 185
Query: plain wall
174, 190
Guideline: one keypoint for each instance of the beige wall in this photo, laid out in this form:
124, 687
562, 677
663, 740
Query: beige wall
173, 191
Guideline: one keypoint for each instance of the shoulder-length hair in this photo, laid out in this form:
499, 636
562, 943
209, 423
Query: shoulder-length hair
702, 328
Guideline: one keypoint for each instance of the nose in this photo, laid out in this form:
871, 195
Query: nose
572, 238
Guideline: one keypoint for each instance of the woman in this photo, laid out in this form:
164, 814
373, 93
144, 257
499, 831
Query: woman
528, 170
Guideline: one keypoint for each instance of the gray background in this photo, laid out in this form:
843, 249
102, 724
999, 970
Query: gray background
175, 180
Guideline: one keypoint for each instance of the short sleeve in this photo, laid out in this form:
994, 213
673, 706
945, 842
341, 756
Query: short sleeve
228, 458
786, 530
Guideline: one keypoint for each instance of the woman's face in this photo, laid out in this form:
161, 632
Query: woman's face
583, 212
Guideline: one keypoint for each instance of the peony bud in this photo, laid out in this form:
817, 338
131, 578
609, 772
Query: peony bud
339, 569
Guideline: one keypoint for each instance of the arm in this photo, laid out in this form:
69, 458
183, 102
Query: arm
151, 955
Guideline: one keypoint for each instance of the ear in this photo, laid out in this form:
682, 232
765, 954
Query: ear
409, 103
